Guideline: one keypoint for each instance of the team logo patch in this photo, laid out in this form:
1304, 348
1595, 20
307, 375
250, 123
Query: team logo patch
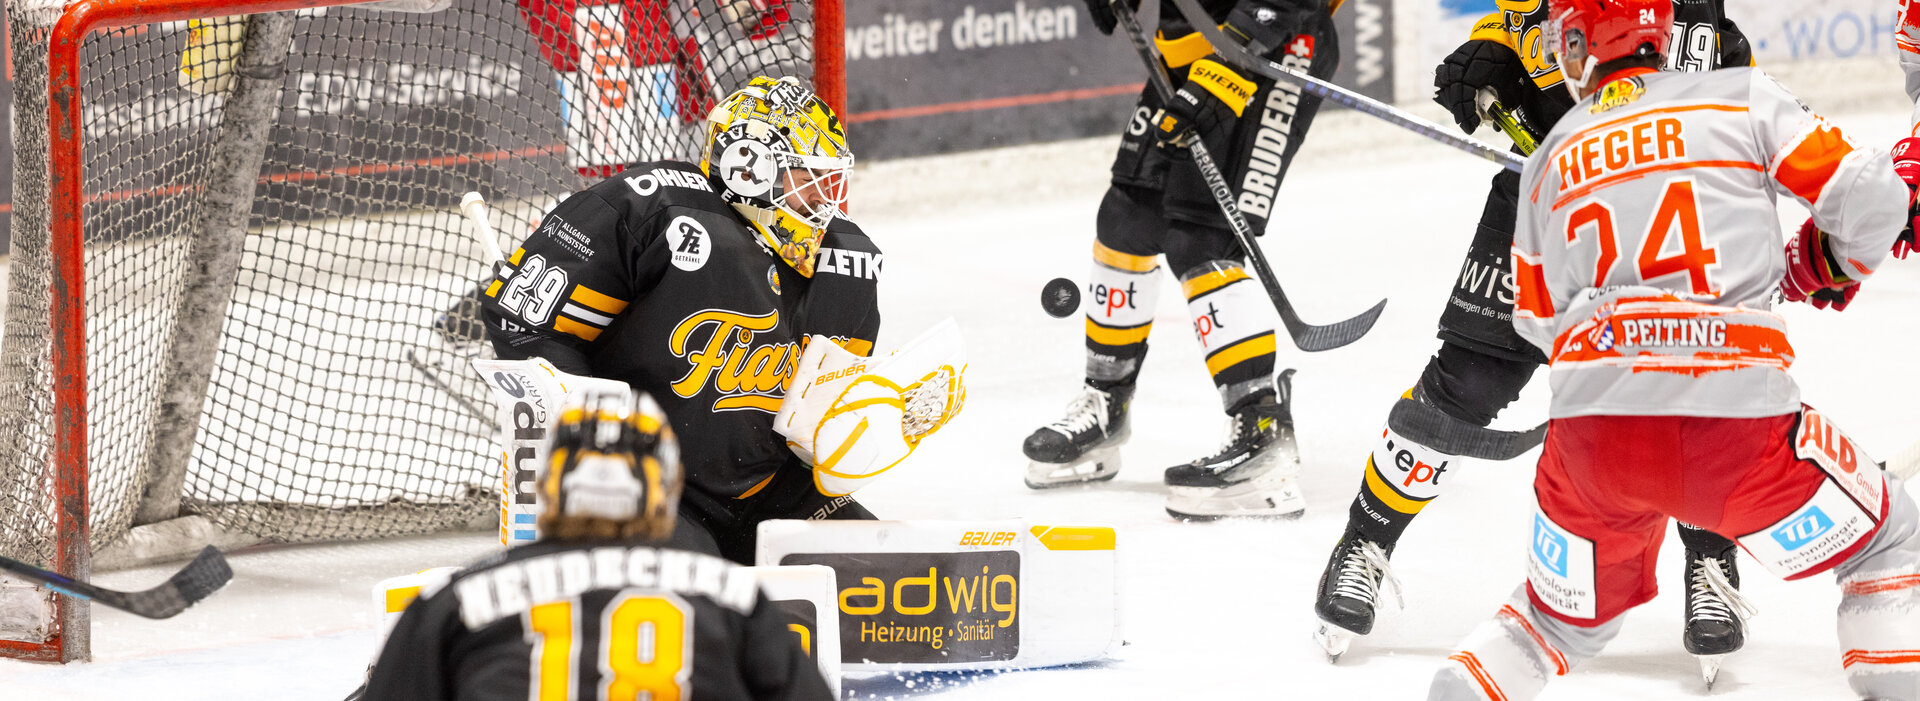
689, 243
1617, 94
773, 278
1601, 338
1302, 46
1560, 569
1812, 535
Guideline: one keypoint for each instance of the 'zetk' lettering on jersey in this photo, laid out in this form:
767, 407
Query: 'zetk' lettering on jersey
1269, 155
850, 263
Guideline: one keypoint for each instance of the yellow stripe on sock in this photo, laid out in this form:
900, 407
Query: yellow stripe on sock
1109, 336
1387, 495
1212, 281
1123, 261
1239, 352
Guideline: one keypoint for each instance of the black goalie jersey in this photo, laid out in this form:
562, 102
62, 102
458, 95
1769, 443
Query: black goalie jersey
649, 277
583, 622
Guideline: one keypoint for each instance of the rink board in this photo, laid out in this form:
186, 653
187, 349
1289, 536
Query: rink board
953, 595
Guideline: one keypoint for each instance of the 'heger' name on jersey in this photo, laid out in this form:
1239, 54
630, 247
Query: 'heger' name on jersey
1629, 145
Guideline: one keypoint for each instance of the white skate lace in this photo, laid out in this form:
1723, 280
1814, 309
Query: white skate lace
1714, 597
1084, 412
1364, 570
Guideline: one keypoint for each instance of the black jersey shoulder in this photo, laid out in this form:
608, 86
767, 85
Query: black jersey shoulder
645, 188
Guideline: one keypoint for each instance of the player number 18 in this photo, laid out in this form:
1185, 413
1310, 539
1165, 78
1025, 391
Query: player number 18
644, 641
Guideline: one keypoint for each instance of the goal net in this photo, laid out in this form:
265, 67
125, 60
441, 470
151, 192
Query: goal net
239, 288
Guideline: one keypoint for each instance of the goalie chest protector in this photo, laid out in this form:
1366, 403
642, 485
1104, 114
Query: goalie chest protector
661, 284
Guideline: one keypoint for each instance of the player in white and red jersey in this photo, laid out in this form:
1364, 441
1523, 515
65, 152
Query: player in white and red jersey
1906, 153
1647, 252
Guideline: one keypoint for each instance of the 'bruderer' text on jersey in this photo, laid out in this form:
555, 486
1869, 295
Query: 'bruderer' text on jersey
649, 277
595, 621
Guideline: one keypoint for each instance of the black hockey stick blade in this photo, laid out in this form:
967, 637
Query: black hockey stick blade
1238, 55
1311, 338
1428, 426
201, 578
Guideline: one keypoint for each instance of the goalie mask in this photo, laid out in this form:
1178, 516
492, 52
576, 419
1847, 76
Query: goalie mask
781, 157
613, 470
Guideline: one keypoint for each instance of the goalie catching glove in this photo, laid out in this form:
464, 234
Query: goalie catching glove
854, 418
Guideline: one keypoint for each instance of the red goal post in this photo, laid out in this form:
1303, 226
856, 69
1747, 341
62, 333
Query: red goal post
299, 376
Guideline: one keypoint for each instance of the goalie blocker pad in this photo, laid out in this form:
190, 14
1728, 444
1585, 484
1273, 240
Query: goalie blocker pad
529, 394
960, 595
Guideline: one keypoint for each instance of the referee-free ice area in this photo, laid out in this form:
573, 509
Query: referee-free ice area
1219, 610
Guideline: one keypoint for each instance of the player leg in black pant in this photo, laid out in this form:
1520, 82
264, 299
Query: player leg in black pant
1160, 204
732, 526
1480, 368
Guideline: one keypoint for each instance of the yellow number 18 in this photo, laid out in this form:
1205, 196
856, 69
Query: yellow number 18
644, 643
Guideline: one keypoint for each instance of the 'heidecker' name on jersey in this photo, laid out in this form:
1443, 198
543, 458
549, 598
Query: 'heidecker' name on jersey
650, 277
1648, 247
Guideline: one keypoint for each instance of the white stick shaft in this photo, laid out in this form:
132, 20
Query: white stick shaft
475, 208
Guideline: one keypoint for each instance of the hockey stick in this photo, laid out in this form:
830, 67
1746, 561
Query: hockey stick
1240, 56
475, 207
201, 578
1509, 124
1306, 337
434, 378
1422, 423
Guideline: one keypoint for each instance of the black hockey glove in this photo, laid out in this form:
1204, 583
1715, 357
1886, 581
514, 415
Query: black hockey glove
1101, 12
1206, 107
1477, 64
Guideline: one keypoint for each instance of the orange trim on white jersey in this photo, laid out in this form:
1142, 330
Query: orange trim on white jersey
1811, 160
1881, 585
1559, 660
1531, 300
1585, 188
1597, 341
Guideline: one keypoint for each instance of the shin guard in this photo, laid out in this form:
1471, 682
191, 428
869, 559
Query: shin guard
1233, 321
1122, 291
1879, 614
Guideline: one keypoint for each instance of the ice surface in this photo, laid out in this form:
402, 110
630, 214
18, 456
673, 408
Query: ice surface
1212, 611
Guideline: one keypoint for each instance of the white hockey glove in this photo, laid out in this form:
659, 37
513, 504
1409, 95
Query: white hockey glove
855, 418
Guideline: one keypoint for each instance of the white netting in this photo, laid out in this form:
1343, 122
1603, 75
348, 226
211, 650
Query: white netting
337, 397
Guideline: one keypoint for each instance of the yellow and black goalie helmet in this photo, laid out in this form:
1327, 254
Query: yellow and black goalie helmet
613, 461
781, 155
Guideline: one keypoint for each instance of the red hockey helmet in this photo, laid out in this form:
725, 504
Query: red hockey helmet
1592, 32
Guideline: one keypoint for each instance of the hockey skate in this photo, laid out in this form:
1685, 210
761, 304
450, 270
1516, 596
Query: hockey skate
1356, 574
1084, 445
1716, 612
1252, 475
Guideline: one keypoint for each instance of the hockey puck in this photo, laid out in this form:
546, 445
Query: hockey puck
1061, 298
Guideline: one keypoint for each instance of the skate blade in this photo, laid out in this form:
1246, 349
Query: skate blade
1333, 639
1709, 668
1271, 495
1097, 465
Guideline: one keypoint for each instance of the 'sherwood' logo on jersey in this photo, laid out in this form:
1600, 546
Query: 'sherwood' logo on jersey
747, 376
